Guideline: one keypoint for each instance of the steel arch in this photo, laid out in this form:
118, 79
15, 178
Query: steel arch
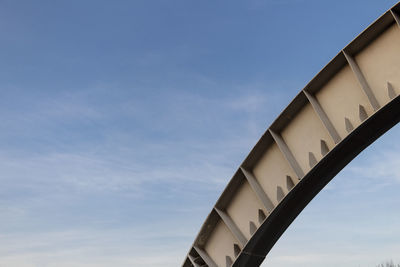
350, 103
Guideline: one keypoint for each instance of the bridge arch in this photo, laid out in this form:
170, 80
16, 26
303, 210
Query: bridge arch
350, 103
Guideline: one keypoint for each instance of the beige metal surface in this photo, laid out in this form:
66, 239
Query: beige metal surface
357, 84
243, 209
380, 63
272, 172
337, 98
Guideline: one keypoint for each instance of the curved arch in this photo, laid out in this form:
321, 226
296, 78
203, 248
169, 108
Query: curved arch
349, 104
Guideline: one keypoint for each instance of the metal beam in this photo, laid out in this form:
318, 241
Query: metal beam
396, 17
258, 190
192, 260
323, 117
362, 81
232, 226
206, 258
287, 154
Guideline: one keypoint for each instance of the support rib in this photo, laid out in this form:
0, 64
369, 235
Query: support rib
192, 260
232, 226
362, 81
204, 255
287, 154
268, 204
396, 17
323, 117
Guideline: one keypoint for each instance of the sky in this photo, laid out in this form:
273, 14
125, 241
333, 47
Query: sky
122, 122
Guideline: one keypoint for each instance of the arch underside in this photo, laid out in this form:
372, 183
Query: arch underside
349, 104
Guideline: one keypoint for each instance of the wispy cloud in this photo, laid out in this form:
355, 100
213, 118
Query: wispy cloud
117, 160
88, 247
385, 166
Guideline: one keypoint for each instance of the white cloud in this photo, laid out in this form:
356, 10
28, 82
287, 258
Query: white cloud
382, 165
85, 247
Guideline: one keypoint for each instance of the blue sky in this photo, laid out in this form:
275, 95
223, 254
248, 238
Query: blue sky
122, 122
